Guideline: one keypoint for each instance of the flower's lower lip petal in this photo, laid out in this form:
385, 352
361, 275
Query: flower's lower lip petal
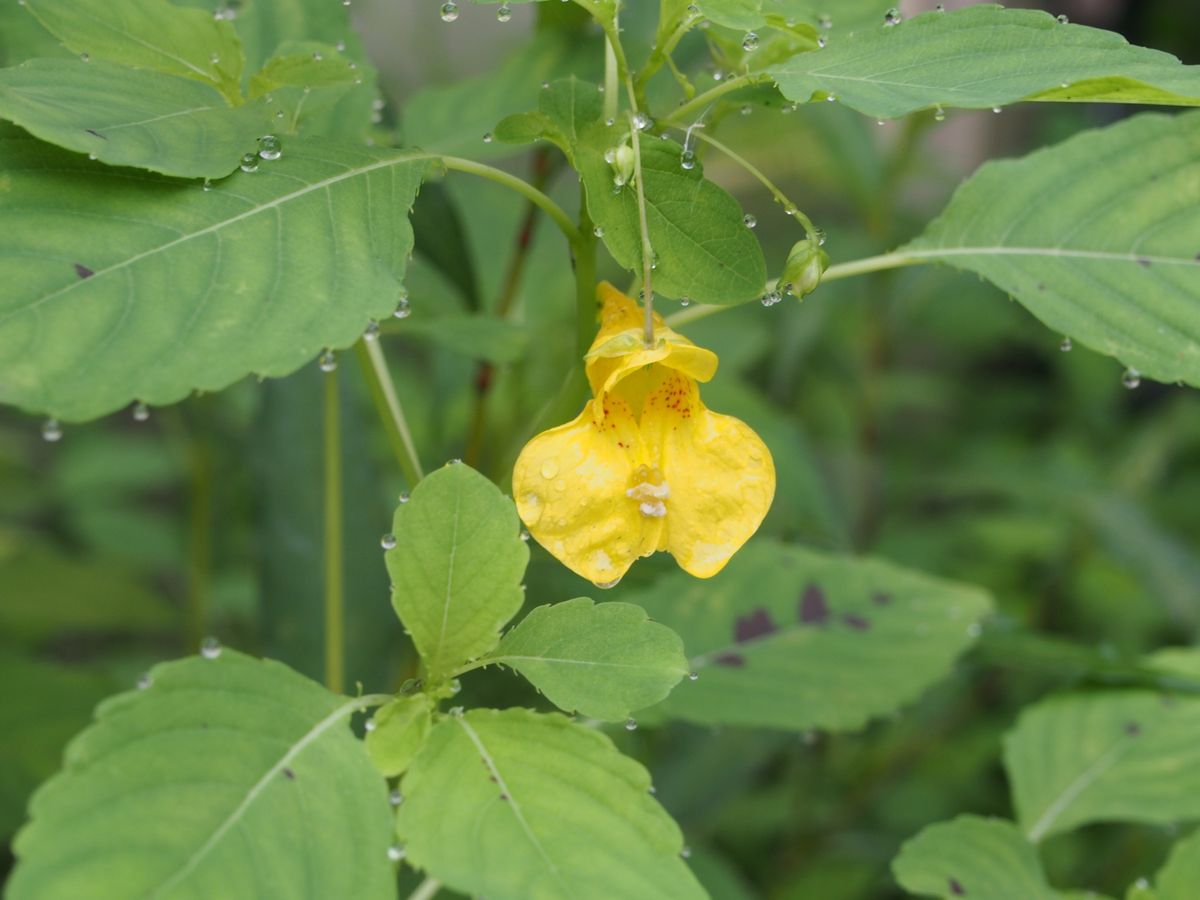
569, 485
722, 480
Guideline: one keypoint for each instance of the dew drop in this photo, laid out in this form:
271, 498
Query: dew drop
144, 681
642, 121
84, 57
747, 109
941, 7
892, 17
687, 160
524, 535
504, 13
340, 46
371, 333
396, 852
388, 542
51, 431
250, 162
369, 725
1131, 378
598, 231
269, 147
210, 648
939, 115
604, 586
1062, 19
141, 412
693, 676
327, 361
750, 42
996, 110
487, 138
631, 724
404, 498
974, 630
1066, 345
450, 12
395, 797
821, 42
749, 220
403, 310
549, 469
214, 58
685, 301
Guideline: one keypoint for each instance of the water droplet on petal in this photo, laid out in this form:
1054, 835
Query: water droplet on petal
549, 468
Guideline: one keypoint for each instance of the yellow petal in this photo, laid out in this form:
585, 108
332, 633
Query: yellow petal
570, 487
720, 475
620, 349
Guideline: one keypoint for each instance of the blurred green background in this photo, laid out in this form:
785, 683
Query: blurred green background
916, 414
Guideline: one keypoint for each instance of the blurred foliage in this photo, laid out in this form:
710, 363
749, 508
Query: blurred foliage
916, 414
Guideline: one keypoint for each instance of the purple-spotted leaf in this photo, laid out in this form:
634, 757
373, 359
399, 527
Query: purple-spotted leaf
789, 638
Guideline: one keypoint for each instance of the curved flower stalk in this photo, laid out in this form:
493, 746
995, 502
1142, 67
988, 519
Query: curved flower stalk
645, 466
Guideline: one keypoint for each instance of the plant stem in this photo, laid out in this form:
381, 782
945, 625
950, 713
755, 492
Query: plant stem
199, 562
387, 404
704, 100
532, 194
779, 196
584, 261
647, 250
334, 587
611, 79
426, 889
833, 273
662, 52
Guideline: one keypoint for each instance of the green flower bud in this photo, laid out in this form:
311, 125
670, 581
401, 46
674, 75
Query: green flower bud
622, 164
806, 263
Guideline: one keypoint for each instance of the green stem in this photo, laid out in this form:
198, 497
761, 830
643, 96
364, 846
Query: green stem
585, 279
779, 196
426, 889
644, 228
611, 79
387, 403
662, 51
833, 273
701, 102
526, 190
334, 587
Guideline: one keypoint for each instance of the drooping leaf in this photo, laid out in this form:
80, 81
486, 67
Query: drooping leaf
457, 566
511, 805
42, 705
980, 57
453, 119
148, 34
1114, 756
1180, 876
126, 289
1098, 237
132, 117
789, 638
604, 660
984, 859
397, 732
704, 251
223, 775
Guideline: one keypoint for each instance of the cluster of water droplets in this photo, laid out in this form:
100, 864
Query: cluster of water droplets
269, 149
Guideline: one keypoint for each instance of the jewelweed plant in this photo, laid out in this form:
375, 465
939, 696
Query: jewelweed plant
310, 288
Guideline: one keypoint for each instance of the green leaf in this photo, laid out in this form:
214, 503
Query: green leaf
453, 119
514, 805
223, 775
143, 289
980, 57
457, 566
789, 638
398, 731
1114, 756
131, 117
22, 37
149, 34
476, 336
704, 250
307, 84
1097, 237
42, 705
1179, 877
47, 595
603, 661
984, 859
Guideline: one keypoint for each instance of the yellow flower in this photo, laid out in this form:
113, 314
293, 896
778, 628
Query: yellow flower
645, 466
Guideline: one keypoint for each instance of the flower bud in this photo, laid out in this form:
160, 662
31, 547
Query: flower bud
806, 263
622, 164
